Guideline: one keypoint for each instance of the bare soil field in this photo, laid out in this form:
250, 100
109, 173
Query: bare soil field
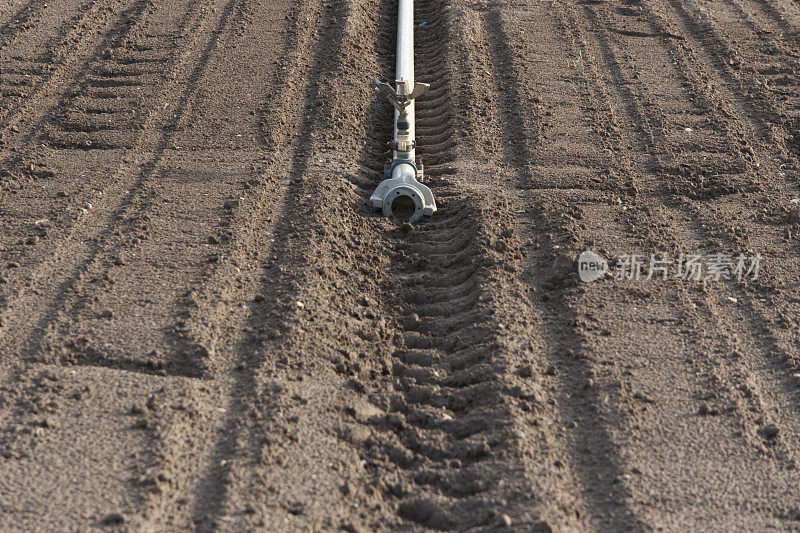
205, 326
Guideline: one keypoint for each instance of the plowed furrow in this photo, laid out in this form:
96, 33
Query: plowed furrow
234, 339
576, 458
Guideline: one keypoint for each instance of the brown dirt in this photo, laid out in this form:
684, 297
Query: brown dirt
205, 326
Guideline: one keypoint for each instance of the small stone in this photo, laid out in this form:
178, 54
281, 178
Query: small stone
213, 240
505, 521
153, 403
13, 264
518, 433
563, 267
298, 508
108, 313
300, 305
705, 410
32, 240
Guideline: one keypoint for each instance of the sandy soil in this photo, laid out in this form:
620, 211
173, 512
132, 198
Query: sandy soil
203, 325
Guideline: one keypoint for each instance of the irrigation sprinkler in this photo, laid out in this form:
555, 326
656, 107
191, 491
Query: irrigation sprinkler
401, 195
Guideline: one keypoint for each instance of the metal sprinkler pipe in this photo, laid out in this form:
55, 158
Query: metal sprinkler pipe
401, 195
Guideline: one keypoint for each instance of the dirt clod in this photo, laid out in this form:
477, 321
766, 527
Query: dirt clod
525, 371
770, 431
113, 519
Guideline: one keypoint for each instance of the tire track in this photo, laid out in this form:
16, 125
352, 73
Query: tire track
21, 21
708, 48
775, 185
13, 370
771, 71
781, 96
357, 375
211, 325
445, 440
292, 502
154, 365
44, 74
720, 372
25, 175
781, 15
176, 404
258, 468
117, 198
589, 326
775, 392
151, 207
